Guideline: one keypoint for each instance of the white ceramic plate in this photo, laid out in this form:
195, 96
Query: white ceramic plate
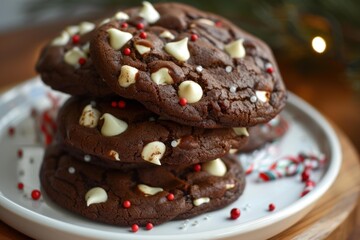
309, 131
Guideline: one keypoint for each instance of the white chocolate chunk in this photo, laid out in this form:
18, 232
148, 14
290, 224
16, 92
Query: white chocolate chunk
229, 186
179, 49
153, 152
127, 76
105, 21
142, 49
206, 21
190, 90
149, 13
162, 77
118, 38
72, 30
95, 195
263, 96
86, 27
86, 47
236, 49
199, 201
114, 154
112, 126
147, 190
121, 16
215, 167
241, 131
233, 150
89, 117
61, 40
167, 34
72, 56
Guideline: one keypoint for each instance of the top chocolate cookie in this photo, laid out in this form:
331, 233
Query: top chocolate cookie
192, 67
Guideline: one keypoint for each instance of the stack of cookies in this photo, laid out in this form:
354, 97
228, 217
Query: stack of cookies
160, 95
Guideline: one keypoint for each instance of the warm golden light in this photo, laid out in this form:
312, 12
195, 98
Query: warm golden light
318, 44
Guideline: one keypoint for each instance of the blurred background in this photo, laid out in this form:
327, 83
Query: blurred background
316, 43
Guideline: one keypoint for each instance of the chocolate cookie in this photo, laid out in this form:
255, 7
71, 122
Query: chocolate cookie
265, 133
65, 63
124, 131
192, 67
154, 195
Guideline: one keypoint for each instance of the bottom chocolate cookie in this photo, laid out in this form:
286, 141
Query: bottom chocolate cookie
143, 195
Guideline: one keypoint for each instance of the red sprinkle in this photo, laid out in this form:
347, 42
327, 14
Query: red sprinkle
305, 175
140, 26
197, 167
20, 153
124, 25
11, 131
270, 70
305, 192
194, 37
143, 35
134, 228
235, 213
218, 24
127, 51
82, 61
310, 183
182, 101
271, 207
127, 204
170, 197
35, 194
75, 39
149, 226
20, 186
48, 139
113, 104
121, 104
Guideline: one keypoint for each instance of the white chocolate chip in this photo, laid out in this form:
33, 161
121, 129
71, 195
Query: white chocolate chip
191, 91
142, 49
229, 186
121, 16
253, 99
71, 170
72, 30
89, 117
228, 69
112, 126
233, 89
241, 131
95, 195
233, 150
86, 27
87, 158
118, 38
72, 56
61, 40
199, 201
114, 154
175, 143
153, 152
179, 49
162, 77
105, 21
127, 76
236, 49
149, 13
199, 69
215, 167
147, 190
206, 21
167, 34
263, 96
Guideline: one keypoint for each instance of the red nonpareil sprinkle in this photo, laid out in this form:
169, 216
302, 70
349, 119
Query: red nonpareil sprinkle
194, 37
143, 35
270, 70
140, 26
82, 61
127, 51
20, 186
20, 153
182, 101
235, 213
149, 226
11, 131
305, 175
35, 194
113, 104
124, 25
121, 104
197, 167
304, 192
76, 39
271, 207
310, 183
218, 23
134, 228
170, 197
126, 204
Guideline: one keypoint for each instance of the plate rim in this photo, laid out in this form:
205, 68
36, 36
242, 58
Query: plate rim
327, 180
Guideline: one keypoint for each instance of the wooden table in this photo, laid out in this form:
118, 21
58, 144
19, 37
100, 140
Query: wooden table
335, 215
